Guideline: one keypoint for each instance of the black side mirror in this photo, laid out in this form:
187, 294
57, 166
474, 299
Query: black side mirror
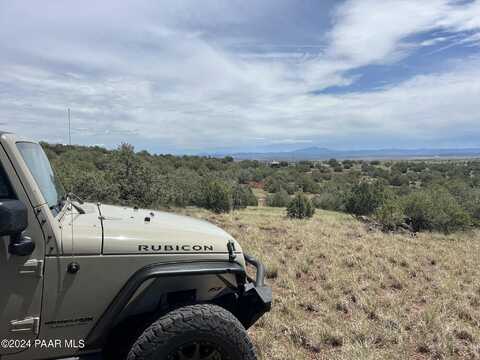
13, 221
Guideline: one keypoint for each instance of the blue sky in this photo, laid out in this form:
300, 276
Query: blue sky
243, 75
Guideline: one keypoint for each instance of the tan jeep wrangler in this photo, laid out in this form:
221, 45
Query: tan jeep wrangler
82, 278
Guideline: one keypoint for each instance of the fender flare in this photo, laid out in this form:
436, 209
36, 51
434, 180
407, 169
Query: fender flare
97, 336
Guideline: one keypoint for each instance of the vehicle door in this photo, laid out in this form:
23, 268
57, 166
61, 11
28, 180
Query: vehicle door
21, 276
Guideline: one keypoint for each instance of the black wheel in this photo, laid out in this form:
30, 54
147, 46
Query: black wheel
197, 332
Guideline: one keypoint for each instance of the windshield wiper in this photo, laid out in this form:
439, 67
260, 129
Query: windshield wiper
78, 208
71, 195
78, 198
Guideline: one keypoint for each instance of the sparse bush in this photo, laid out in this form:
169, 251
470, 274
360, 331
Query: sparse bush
467, 196
367, 168
435, 209
399, 180
390, 214
92, 186
348, 164
242, 196
418, 166
401, 166
380, 173
333, 162
332, 201
279, 199
290, 187
300, 207
251, 198
322, 168
133, 176
304, 166
317, 175
181, 187
273, 185
244, 176
365, 198
216, 196
307, 184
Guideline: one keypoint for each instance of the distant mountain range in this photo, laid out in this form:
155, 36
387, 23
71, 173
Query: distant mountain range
318, 153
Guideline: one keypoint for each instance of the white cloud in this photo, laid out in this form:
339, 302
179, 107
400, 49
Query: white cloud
164, 74
434, 41
369, 31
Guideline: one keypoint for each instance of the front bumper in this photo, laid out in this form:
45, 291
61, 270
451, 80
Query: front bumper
256, 298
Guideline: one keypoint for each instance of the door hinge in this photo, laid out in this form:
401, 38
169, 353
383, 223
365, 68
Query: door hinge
30, 324
32, 267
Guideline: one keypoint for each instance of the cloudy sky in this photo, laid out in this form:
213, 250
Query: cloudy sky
243, 75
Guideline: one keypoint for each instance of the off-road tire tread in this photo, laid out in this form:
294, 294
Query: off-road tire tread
203, 317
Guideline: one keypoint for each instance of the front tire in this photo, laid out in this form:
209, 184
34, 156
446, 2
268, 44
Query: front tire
197, 332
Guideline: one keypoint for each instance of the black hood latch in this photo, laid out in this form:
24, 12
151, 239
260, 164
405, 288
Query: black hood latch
231, 251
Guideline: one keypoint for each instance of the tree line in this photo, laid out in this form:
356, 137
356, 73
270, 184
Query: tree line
424, 195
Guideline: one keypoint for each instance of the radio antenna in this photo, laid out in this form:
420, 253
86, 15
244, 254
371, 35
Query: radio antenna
73, 267
69, 128
70, 195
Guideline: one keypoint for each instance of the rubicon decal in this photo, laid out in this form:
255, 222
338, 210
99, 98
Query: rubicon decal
175, 248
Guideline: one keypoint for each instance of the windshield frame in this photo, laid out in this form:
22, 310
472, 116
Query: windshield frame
44, 175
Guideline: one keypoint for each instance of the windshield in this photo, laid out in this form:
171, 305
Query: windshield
42, 172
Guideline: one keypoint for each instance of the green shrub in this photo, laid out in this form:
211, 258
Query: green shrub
94, 187
380, 173
244, 176
272, 185
300, 207
418, 166
399, 180
467, 196
181, 187
390, 214
333, 201
307, 184
348, 164
367, 168
251, 198
291, 188
365, 198
333, 162
304, 165
242, 196
279, 199
133, 176
216, 196
435, 209
401, 166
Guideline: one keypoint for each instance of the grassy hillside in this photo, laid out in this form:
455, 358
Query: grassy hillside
343, 291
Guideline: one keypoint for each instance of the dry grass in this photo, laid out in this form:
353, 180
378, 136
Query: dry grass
344, 292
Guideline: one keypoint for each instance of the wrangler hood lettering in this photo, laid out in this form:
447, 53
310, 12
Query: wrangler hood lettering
130, 231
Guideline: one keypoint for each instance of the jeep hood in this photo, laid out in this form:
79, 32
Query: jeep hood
134, 231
